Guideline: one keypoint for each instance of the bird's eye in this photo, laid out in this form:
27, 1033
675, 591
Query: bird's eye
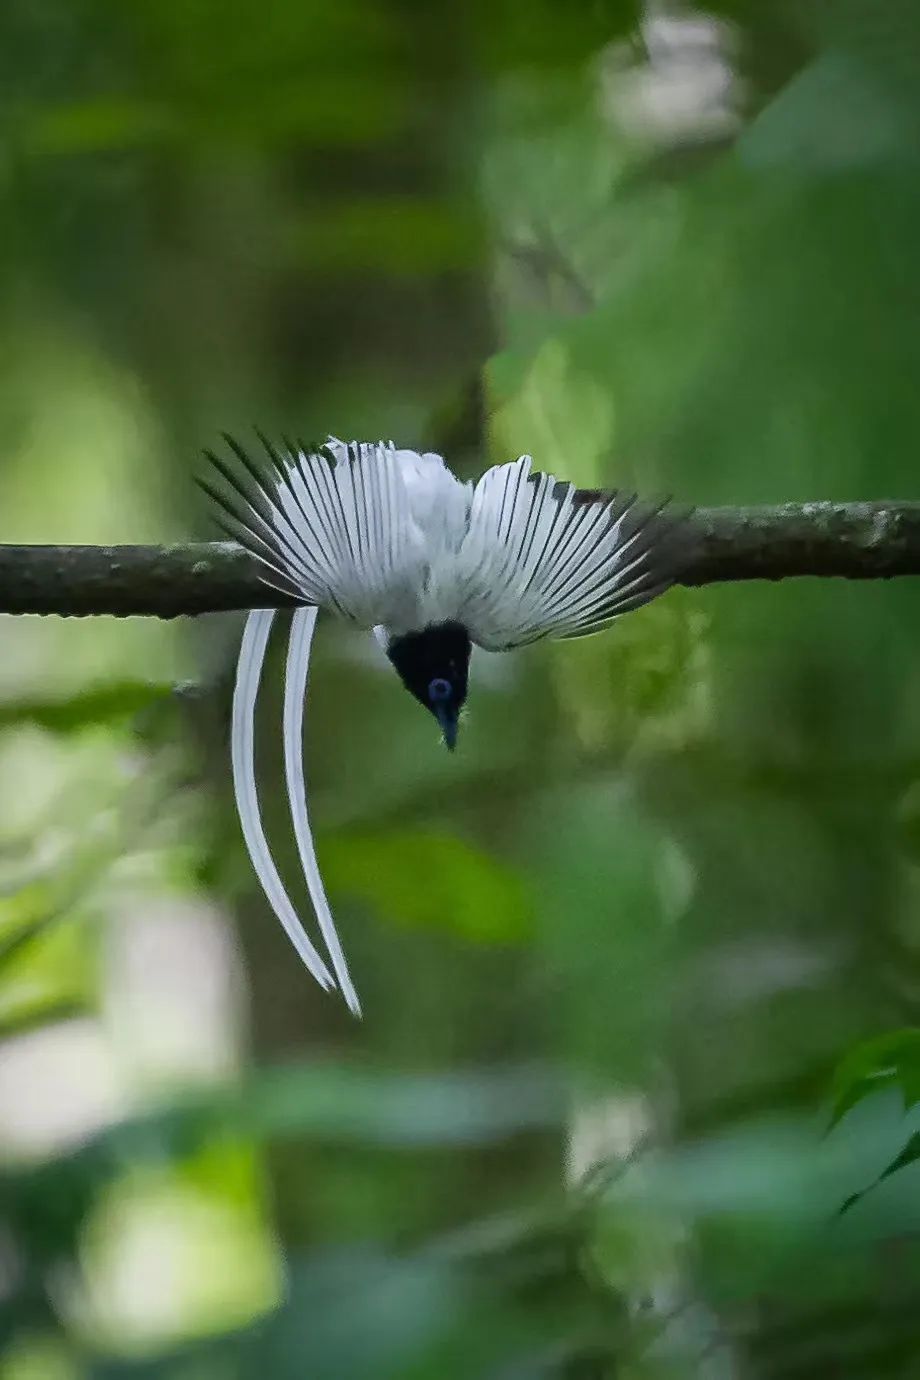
438, 689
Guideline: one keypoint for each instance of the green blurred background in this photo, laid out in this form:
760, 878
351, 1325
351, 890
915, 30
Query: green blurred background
635, 1094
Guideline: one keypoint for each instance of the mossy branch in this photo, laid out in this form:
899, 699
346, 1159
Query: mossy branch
859, 541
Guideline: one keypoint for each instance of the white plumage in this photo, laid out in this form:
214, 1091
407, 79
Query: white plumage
391, 540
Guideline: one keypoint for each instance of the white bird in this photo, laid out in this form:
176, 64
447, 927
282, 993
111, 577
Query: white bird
392, 542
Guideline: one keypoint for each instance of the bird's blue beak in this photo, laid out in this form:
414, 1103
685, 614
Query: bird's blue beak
446, 716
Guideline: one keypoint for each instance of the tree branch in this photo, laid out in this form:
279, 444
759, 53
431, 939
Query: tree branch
861, 541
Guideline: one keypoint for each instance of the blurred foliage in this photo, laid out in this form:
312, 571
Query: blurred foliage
637, 1089
466, 891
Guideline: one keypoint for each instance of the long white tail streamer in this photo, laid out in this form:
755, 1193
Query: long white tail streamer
242, 752
295, 690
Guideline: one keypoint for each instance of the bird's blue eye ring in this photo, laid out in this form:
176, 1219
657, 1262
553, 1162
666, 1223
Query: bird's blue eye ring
438, 689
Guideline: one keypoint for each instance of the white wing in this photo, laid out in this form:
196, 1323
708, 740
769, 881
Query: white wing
542, 560
337, 526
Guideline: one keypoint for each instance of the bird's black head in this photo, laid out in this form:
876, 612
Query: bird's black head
434, 667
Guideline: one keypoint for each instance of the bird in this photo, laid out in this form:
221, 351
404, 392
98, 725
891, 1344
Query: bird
391, 541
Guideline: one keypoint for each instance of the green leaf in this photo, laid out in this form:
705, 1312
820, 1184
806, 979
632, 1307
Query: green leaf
432, 880
24, 914
889, 1060
47, 969
99, 704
